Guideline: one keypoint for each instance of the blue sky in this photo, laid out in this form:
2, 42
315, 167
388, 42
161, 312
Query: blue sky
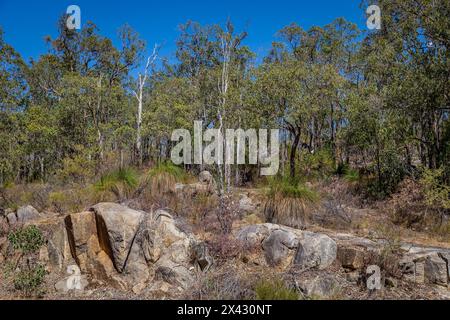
26, 23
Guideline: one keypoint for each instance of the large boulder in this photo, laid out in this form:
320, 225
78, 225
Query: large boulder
82, 233
285, 246
315, 251
27, 213
81, 237
278, 247
117, 226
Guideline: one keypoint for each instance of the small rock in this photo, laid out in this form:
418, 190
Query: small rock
137, 289
202, 257
351, 257
435, 269
12, 218
75, 282
321, 287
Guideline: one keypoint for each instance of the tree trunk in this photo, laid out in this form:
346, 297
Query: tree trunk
293, 154
138, 130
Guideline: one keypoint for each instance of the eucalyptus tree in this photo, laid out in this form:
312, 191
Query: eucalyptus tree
305, 79
412, 63
13, 100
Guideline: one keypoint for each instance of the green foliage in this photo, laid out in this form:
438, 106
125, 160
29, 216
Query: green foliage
351, 175
319, 164
29, 281
286, 188
274, 290
27, 275
27, 240
437, 193
77, 169
121, 183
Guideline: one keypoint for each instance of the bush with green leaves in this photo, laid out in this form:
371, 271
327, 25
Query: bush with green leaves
319, 164
351, 175
437, 198
26, 273
30, 280
436, 191
26, 240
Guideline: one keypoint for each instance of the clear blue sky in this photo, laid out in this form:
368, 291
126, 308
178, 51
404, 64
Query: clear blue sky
26, 23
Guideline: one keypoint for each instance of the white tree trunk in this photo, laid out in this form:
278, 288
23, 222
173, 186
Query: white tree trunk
142, 79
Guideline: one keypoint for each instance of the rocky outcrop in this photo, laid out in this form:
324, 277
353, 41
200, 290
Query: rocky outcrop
419, 264
286, 247
426, 265
112, 244
116, 226
131, 249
